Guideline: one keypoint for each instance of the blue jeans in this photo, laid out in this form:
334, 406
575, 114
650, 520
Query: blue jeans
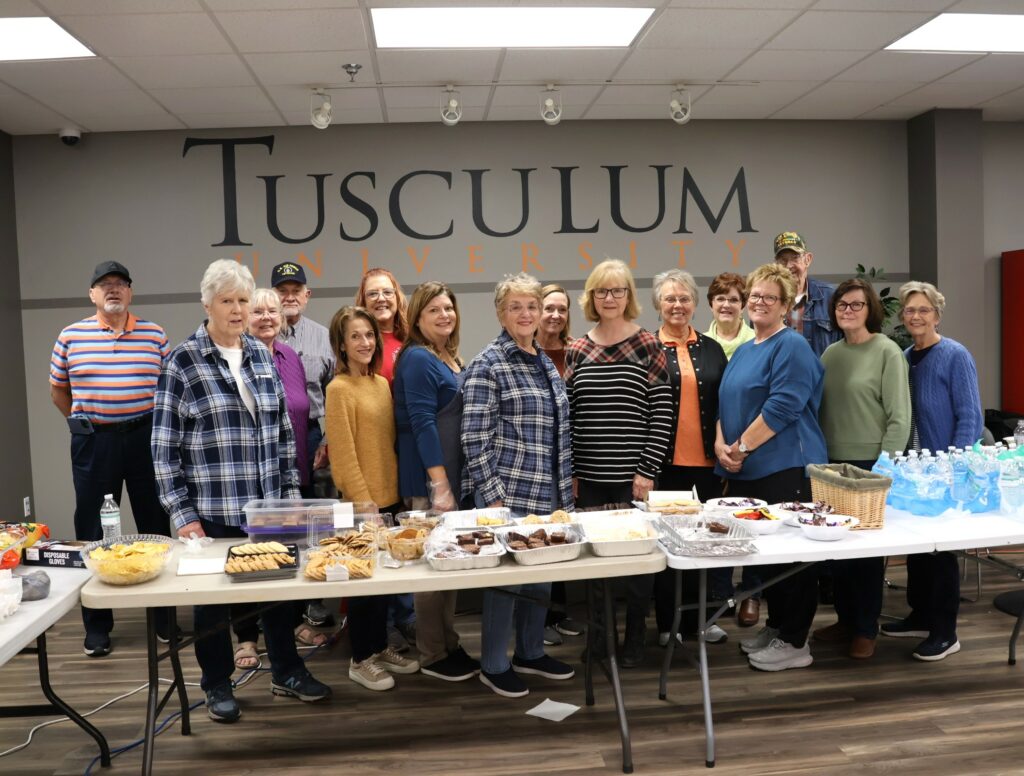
213, 652
400, 609
499, 614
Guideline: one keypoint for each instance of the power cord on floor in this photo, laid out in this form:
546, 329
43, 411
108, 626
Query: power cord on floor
237, 684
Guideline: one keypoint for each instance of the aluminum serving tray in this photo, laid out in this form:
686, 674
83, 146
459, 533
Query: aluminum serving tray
555, 553
445, 537
688, 535
621, 547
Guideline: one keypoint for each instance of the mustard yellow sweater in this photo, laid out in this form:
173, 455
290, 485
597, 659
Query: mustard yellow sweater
361, 439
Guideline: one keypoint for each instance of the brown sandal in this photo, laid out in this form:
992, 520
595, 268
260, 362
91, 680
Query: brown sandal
246, 656
308, 637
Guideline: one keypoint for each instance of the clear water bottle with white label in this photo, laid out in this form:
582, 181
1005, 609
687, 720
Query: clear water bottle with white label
110, 517
1018, 433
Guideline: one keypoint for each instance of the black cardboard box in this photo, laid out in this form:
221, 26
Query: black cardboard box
63, 554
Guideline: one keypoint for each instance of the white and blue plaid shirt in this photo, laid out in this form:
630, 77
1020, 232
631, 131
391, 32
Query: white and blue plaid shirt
209, 453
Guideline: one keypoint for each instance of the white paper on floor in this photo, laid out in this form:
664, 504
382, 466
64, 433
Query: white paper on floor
553, 710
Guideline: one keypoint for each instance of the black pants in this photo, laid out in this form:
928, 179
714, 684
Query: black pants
709, 485
105, 462
638, 589
368, 625
793, 600
933, 592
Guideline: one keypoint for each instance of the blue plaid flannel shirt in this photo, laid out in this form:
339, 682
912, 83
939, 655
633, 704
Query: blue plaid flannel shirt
209, 455
508, 430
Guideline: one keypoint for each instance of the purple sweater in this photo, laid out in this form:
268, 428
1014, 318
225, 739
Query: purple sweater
293, 376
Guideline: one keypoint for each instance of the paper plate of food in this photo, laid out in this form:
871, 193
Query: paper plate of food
760, 520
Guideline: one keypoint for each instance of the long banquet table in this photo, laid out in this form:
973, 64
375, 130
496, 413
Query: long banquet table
902, 534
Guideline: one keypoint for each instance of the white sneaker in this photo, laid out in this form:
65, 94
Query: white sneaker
779, 655
663, 638
393, 663
760, 641
714, 635
370, 675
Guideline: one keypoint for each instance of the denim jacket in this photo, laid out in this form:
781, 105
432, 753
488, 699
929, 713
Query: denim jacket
818, 329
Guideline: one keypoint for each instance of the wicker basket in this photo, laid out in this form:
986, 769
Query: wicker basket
851, 491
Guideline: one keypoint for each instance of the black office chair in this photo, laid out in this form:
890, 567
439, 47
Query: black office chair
1012, 603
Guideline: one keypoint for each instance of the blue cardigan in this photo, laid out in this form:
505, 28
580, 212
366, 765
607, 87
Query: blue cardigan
946, 399
423, 385
781, 380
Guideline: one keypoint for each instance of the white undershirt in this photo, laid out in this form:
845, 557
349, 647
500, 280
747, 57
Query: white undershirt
234, 358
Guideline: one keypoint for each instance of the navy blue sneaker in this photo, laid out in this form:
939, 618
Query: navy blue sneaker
544, 666
904, 629
97, 644
937, 648
508, 684
221, 705
461, 657
302, 686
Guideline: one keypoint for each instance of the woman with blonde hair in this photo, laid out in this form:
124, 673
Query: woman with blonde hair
618, 384
428, 416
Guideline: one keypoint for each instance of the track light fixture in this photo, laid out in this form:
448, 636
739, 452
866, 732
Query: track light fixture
551, 105
451, 106
320, 113
679, 106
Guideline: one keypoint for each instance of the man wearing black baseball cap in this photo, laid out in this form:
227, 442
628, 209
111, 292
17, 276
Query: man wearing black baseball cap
103, 374
809, 315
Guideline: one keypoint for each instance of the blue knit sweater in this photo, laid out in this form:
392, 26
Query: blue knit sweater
945, 396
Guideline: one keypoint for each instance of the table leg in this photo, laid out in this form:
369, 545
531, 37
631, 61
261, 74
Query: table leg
705, 683
153, 659
179, 679
677, 618
588, 664
56, 700
613, 675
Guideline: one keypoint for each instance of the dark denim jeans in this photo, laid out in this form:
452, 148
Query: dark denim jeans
214, 653
499, 614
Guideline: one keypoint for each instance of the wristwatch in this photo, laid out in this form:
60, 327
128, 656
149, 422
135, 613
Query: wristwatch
743, 448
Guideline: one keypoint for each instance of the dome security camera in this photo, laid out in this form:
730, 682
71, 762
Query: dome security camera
70, 136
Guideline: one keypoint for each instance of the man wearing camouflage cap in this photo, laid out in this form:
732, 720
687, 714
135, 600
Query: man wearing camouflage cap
810, 313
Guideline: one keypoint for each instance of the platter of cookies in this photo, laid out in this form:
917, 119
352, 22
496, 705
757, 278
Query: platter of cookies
259, 561
348, 555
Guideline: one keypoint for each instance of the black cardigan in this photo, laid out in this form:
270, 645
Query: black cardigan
709, 364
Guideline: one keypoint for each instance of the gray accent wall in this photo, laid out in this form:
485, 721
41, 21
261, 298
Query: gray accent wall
15, 463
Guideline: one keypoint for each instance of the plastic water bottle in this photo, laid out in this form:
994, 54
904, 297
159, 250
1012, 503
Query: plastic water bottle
110, 517
962, 488
1018, 433
1011, 487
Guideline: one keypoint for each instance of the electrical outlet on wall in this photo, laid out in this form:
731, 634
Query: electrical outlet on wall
28, 506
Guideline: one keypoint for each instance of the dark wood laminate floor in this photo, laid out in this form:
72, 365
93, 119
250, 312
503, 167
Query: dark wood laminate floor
890, 714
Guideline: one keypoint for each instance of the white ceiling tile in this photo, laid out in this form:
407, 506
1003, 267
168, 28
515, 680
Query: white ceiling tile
525, 96
691, 64
116, 123
891, 113
756, 5
45, 77
141, 35
432, 115
881, 5
69, 7
986, 6
428, 97
220, 99
277, 5
182, 72
1014, 99
9, 8
794, 65
749, 102
950, 95
555, 65
843, 100
214, 120
828, 30
293, 99
440, 66
905, 66
733, 112
363, 116
709, 28
315, 68
528, 113
88, 108
994, 68
644, 95
20, 115
319, 30
628, 112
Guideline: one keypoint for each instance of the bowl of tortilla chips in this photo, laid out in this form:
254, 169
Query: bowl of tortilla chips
128, 560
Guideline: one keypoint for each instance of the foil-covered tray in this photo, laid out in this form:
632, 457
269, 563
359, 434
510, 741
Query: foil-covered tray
691, 535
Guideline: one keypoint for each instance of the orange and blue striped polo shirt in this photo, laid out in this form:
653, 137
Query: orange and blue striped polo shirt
112, 377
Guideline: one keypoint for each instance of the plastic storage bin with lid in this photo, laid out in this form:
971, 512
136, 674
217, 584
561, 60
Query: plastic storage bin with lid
288, 520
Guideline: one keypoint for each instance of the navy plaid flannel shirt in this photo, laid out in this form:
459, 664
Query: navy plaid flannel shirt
508, 430
209, 455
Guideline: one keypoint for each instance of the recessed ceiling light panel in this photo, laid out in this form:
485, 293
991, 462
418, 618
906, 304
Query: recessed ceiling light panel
519, 27
37, 37
978, 32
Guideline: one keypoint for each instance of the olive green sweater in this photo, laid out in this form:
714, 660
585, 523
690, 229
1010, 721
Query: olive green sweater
865, 407
361, 439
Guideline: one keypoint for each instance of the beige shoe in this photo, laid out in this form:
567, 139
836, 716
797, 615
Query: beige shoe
370, 675
394, 663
